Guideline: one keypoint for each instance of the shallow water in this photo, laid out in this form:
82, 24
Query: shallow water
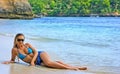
88, 41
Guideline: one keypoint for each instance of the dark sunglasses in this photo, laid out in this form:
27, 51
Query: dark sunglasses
20, 40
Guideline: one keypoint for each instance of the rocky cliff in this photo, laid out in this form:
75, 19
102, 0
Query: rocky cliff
15, 9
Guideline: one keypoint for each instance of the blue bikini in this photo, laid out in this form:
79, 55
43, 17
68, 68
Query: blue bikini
21, 56
38, 59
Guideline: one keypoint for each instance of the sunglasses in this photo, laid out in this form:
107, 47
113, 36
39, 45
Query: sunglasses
20, 40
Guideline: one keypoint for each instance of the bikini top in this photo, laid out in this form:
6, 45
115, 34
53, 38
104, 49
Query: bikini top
22, 56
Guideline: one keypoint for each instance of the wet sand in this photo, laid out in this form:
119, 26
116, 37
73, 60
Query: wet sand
6, 43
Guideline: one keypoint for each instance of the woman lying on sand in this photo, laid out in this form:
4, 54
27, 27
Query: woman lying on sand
28, 54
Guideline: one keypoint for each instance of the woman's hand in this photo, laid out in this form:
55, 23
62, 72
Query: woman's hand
32, 64
6, 62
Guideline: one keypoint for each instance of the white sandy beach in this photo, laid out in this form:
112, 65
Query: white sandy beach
6, 43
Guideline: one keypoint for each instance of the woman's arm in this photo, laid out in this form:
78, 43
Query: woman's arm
13, 56
35, 53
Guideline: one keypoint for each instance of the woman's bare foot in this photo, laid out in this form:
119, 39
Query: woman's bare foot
82, 68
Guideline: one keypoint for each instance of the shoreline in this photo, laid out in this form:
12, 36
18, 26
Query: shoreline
77, 15
40, 16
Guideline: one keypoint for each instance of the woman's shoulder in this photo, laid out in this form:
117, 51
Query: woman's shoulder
14, 49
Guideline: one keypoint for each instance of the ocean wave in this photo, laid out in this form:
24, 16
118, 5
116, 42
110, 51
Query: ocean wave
81, 43
47, 39
7, 34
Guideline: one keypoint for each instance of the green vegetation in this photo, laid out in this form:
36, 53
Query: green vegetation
75, 7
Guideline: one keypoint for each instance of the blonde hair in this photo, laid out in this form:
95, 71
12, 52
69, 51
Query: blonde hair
15, 43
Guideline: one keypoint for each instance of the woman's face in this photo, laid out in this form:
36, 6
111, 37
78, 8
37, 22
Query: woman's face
20, 40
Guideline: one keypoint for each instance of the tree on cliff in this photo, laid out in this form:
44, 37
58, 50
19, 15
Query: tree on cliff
74, 7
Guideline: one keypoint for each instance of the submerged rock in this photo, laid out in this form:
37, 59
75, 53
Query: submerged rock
15, 9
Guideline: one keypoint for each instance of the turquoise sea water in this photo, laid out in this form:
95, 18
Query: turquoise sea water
89, 41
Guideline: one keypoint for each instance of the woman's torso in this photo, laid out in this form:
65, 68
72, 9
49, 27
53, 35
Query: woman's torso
26, 54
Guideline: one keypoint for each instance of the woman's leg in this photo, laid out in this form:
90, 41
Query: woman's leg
46, 60
64, 63
80, 68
